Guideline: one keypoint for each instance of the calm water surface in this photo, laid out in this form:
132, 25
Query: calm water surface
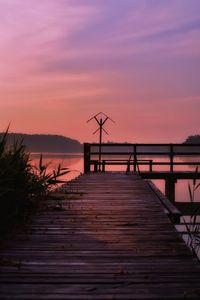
75, 163
72, 161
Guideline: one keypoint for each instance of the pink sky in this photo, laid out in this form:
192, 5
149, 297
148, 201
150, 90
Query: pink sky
136, 60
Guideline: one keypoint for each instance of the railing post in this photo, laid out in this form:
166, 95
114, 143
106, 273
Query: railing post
96, 166
86, 158
171, 156
103, 165
135, 157
151, 165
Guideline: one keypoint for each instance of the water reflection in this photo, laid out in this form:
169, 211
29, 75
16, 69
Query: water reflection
75, 163
72, 161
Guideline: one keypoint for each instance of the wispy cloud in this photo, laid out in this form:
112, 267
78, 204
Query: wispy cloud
115, 55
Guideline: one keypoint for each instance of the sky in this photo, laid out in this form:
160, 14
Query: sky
138, 61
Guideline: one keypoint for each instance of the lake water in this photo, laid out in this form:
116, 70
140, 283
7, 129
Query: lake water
75, 164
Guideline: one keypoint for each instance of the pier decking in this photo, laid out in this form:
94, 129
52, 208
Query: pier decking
113, 240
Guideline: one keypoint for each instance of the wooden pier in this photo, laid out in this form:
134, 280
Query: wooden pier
160, 161
112, 239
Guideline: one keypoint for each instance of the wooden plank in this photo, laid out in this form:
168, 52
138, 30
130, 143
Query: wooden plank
172, 211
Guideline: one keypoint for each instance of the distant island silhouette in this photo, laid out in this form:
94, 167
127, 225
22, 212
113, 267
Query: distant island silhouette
193, 139
45, 142
62, 144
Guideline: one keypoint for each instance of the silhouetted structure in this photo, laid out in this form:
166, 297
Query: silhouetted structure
100, 121
136, 155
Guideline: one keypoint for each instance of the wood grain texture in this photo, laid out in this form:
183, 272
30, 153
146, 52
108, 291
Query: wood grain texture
111, 240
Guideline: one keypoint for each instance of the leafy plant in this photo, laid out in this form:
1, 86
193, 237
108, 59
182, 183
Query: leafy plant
193, 226
22, 185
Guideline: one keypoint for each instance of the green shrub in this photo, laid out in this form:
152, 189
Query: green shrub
22, 185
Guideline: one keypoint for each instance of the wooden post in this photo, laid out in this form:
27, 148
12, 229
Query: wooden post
86, 158
96, 164
151, 165
171, 156
103, 165
170, 188
135, 157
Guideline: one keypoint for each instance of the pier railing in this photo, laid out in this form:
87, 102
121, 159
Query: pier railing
135, 155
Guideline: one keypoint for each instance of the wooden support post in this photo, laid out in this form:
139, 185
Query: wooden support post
151, 165
171, 156
170, 188
103, 165
135, 157
96, 166
86, 158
